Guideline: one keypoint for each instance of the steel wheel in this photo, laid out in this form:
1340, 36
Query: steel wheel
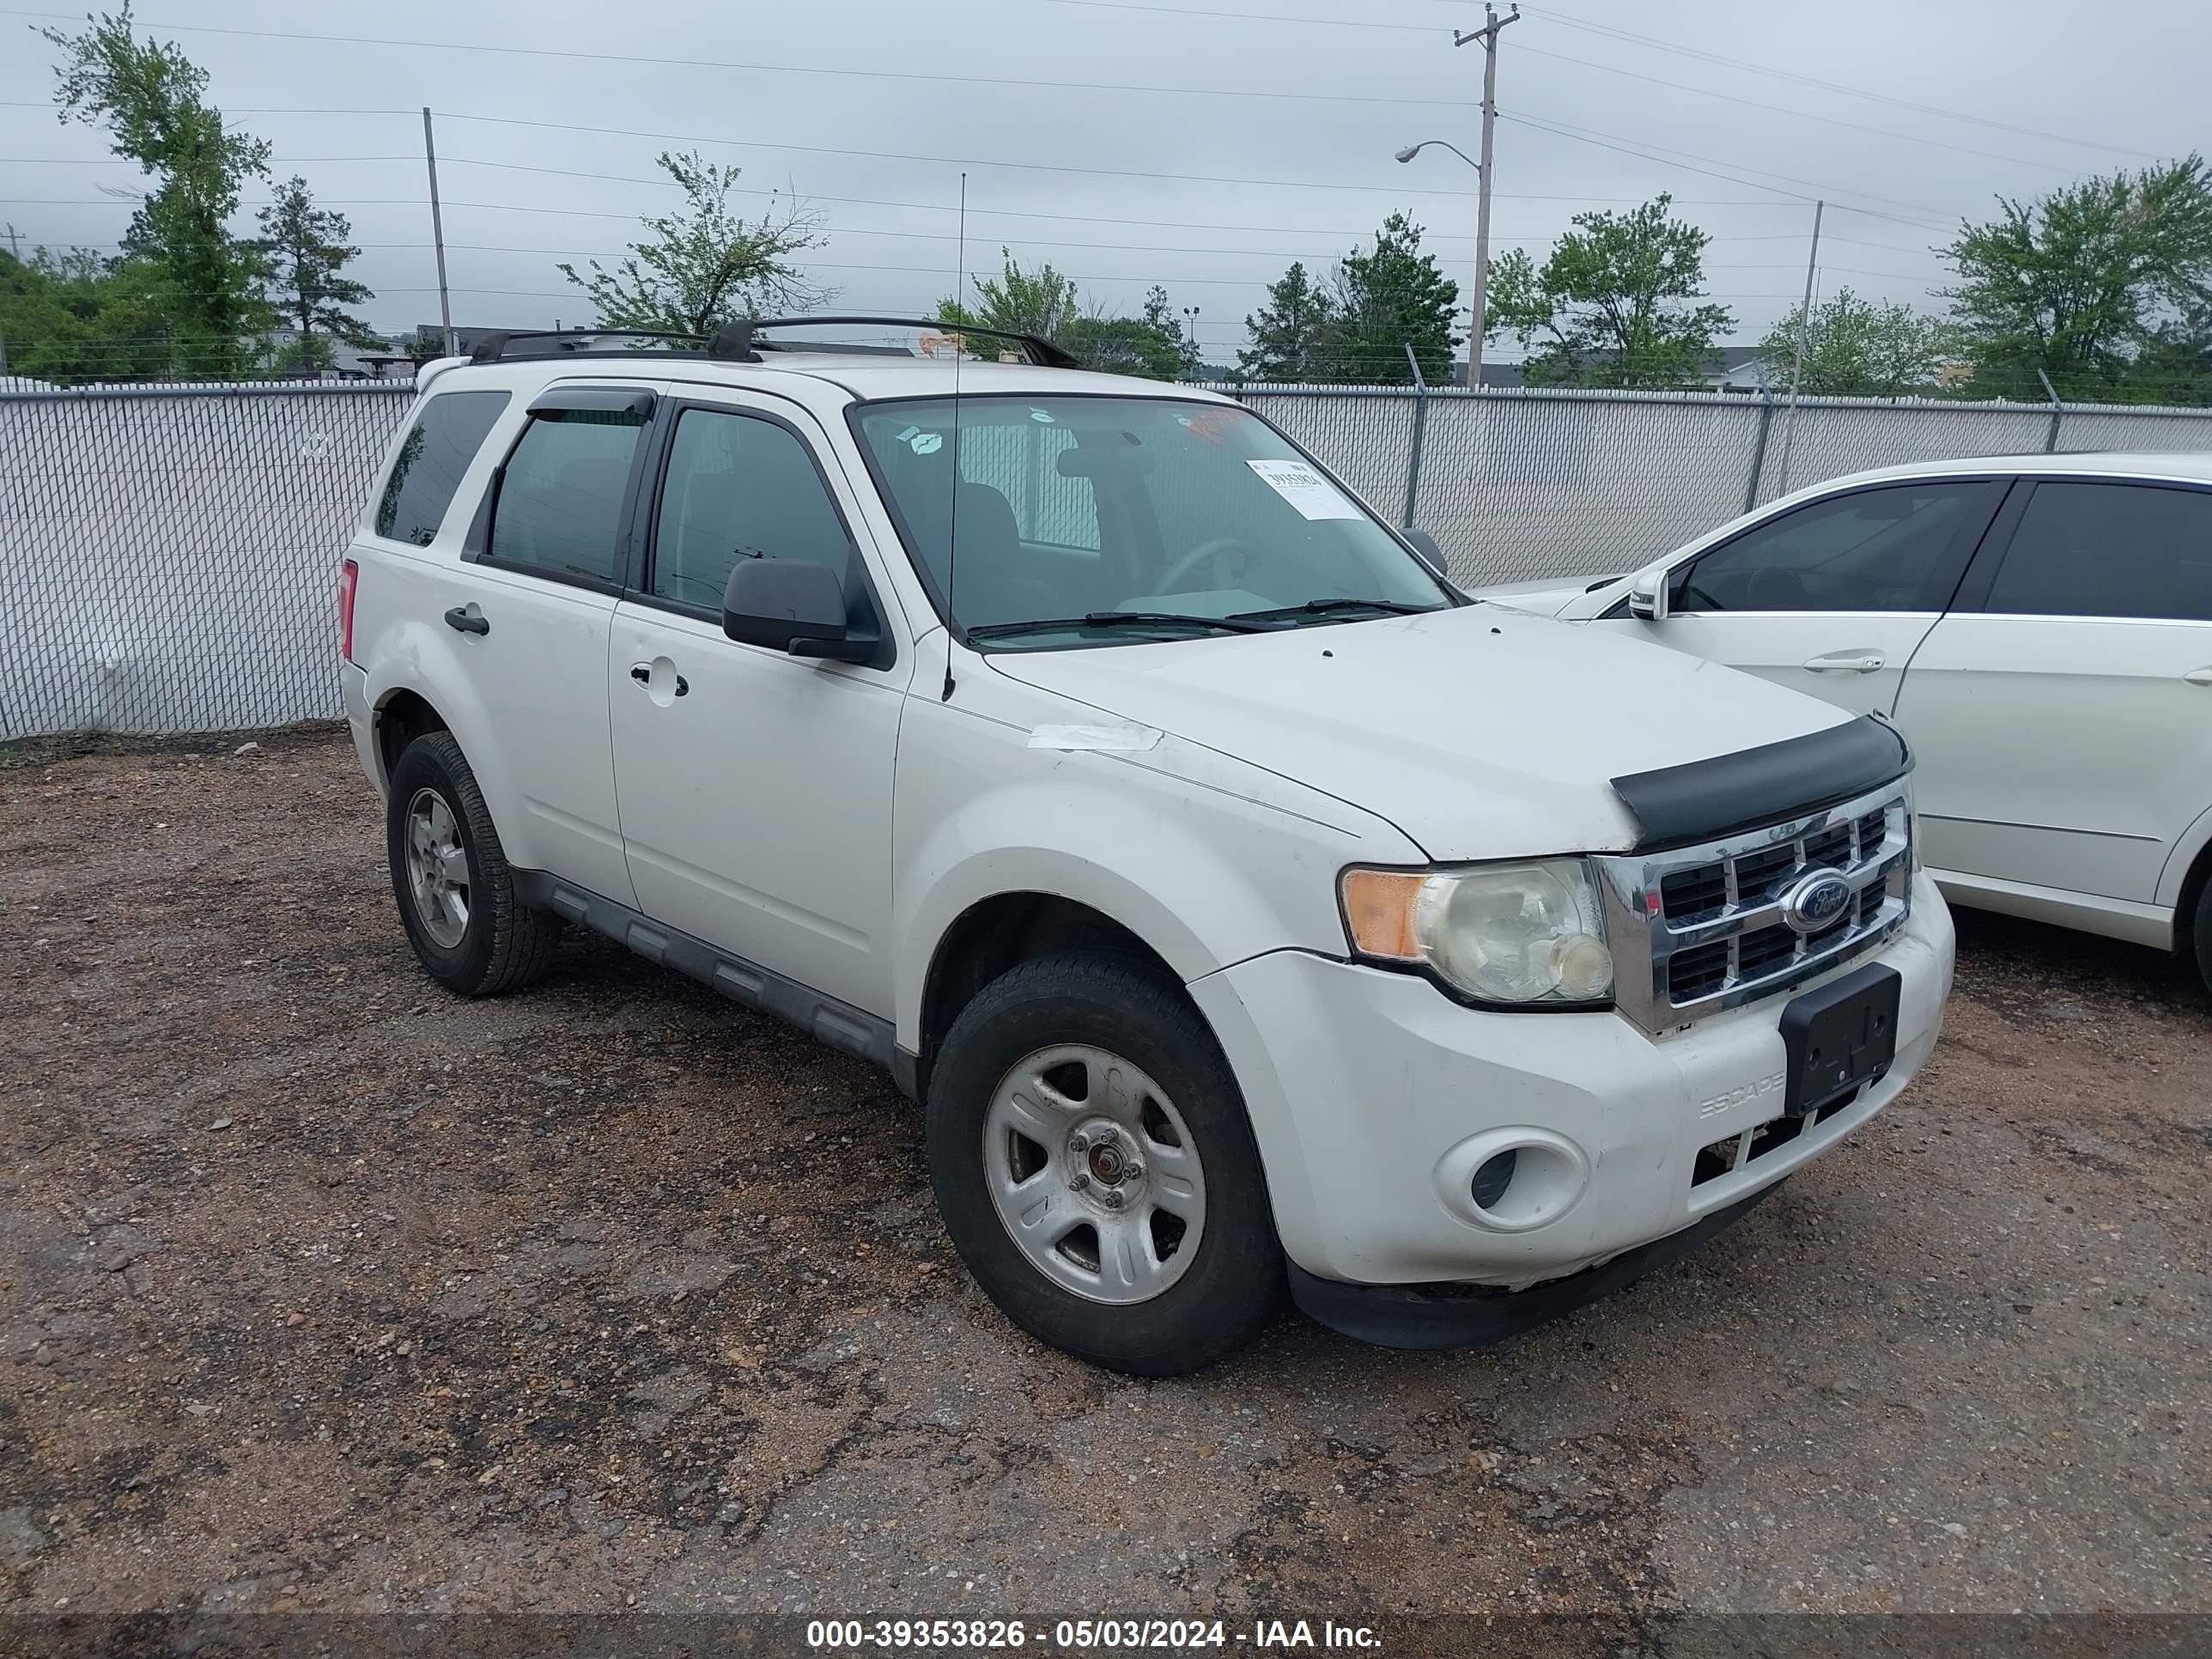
437, 868
1095, 1174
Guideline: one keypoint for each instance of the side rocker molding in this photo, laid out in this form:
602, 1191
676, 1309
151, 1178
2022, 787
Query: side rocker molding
824, 1017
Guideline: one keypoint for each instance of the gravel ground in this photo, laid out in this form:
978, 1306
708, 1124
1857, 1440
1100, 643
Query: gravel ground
321, 1290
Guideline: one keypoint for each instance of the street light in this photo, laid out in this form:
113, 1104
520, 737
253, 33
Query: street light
1412, 150
1481, 264
1478, 310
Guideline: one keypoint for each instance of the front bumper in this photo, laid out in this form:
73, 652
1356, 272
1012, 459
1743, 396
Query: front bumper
1374, 1097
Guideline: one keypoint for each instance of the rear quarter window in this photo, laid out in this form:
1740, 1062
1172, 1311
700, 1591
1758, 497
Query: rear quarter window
432, 460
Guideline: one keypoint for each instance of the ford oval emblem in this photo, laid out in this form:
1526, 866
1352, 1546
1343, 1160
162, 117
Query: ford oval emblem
1815, 902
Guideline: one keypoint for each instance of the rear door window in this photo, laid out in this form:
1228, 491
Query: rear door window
560, 503
2109, 549
432, 459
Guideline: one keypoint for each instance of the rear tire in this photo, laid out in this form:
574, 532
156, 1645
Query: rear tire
451, 877
1093, 1163
2202, 933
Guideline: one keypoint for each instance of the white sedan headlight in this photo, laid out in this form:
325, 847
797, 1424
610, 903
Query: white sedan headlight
1526, 934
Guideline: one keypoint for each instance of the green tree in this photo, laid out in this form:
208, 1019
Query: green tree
1611, 304
1045, 305
1289, 333
149, 98
2105, 285
1040, 303
70, 317
1123, 345
306, 247
704, 264
1383, 298
1160, 316
1854, 348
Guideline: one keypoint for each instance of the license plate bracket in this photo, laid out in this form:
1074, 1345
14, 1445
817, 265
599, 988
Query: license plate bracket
1839, 1037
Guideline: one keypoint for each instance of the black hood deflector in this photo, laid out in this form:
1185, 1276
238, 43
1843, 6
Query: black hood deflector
1705, 799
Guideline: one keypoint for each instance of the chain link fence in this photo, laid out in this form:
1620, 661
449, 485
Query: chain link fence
1520, 486
168, 555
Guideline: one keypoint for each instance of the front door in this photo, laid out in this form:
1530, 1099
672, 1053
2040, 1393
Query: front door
756, 788
2064, 718
1831, 598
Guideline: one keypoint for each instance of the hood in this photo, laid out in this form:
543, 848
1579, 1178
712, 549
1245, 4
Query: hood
1544, 598
1477, 732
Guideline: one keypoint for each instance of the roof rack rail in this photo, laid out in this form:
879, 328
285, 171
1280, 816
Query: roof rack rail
494, 348
739, 342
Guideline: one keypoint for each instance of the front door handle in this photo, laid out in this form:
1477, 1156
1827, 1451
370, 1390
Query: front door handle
643, 673
468, 619
1845, 662
2199, 677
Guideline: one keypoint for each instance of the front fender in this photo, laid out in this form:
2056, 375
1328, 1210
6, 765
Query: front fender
1175, 843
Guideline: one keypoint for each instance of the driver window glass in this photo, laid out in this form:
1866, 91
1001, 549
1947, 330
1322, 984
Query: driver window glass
741, 488
1895, 548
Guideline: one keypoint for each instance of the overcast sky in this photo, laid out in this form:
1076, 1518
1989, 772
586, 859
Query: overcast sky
1209, 189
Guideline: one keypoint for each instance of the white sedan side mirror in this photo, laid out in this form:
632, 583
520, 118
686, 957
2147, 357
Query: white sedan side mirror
1647, 594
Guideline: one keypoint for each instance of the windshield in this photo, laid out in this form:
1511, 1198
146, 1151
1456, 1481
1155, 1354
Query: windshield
1110, 521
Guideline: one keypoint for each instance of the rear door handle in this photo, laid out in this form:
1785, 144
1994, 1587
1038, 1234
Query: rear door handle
2199, 677
468, 620
643, 673
1845, 662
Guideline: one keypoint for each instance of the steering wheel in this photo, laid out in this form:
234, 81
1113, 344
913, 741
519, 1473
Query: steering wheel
1213, 548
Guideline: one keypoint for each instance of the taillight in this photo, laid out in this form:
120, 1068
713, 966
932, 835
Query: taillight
349, 579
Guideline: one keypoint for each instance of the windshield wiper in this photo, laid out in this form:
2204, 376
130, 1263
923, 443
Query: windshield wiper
1122, 619
1327, 607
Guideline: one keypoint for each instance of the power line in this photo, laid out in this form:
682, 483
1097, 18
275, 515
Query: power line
1394, 99
1551, 14
125, 161
1583, 63
1663, 151
939, 207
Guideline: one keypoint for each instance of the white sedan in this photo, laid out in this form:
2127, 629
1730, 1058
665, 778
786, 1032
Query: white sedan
2040, 627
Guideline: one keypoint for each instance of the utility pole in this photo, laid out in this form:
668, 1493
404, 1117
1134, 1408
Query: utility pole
438, 232
1797, 366
1488, 35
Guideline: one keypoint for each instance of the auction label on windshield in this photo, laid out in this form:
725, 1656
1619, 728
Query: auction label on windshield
1297, 483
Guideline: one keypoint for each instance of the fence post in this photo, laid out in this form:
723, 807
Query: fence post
1759, 448
2057, 410
1421, 436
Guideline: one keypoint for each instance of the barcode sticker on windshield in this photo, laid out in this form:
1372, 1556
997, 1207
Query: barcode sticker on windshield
1297, 483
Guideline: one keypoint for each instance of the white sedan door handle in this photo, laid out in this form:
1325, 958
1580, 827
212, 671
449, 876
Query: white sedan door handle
2199, 677
1845, 662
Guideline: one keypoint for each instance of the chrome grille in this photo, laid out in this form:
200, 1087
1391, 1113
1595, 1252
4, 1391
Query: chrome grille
1696, 929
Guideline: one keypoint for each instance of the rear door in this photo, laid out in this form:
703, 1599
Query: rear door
2062, 712
542, 567
1833, 597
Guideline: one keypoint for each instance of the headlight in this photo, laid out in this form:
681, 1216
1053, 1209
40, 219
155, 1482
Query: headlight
1529, 934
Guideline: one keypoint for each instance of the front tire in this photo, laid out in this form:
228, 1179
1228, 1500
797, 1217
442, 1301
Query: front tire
1094, 1166
451, 877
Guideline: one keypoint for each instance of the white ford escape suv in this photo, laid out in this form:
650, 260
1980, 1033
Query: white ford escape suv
1243, 903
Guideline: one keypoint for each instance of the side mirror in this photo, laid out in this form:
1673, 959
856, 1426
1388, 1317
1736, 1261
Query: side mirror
791, 605
1647, 594
1425, 544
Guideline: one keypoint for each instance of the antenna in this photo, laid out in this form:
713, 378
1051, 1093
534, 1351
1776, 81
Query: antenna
953, 516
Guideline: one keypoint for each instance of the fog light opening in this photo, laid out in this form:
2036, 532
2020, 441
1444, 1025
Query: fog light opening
1496, 1175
